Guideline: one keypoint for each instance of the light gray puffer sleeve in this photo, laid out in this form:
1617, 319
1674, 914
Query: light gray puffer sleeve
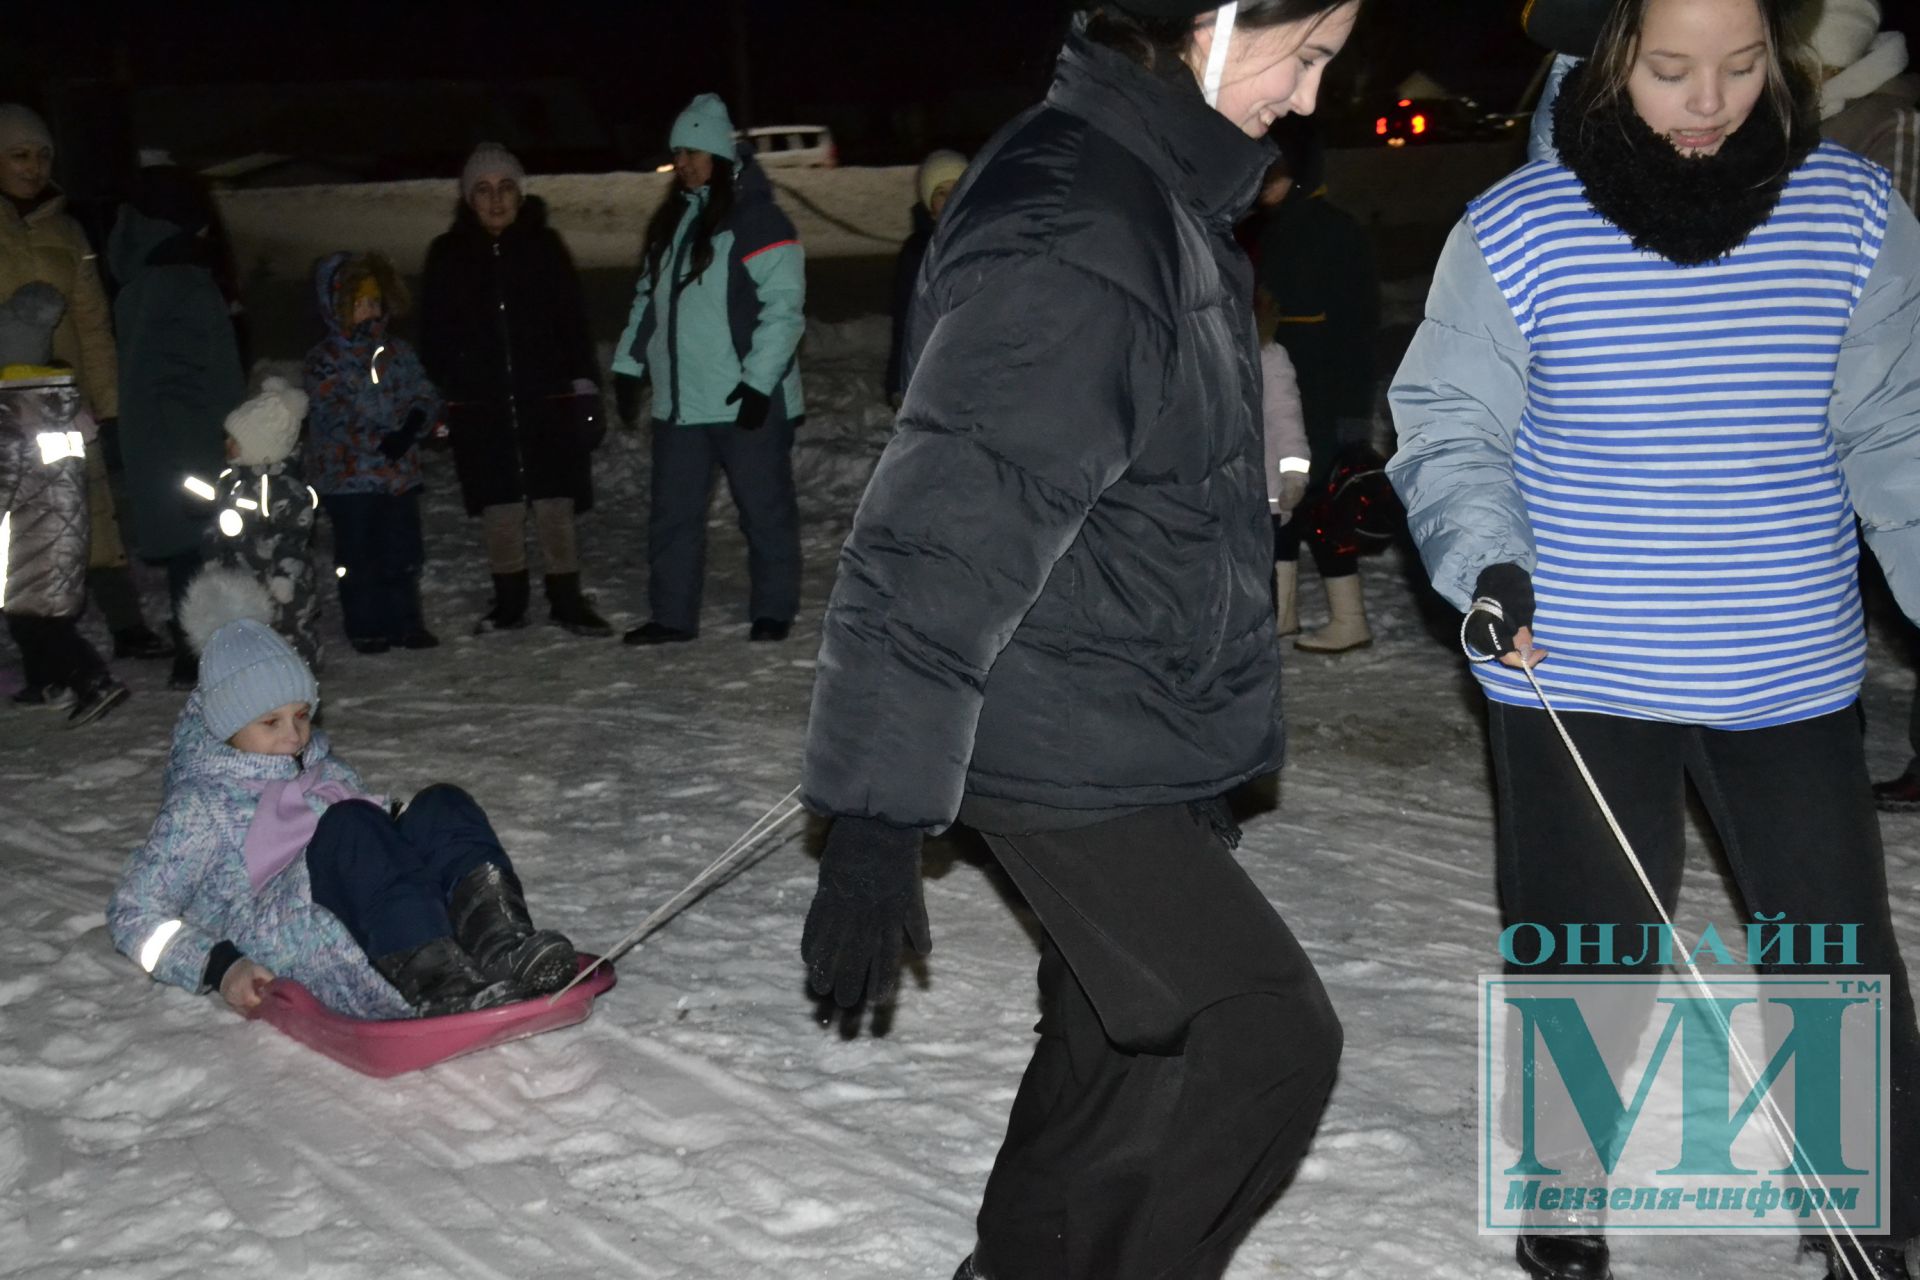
1875, 411
1456, 402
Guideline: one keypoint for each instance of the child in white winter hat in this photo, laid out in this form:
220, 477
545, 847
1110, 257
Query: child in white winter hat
259, 547
269, 859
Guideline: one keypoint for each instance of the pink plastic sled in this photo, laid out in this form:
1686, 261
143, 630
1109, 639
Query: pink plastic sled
407, 1044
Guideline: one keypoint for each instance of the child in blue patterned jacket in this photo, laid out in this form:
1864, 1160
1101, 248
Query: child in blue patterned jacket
370, 404
268, 858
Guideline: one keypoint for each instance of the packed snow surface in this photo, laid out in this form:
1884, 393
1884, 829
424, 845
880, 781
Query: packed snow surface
704, 1124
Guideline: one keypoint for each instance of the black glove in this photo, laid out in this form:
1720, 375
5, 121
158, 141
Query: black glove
394, 444
753, 407
626, 397
1502, 604
869, 895
109, 442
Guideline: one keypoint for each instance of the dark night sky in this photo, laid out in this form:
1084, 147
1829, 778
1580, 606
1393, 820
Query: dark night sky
887, 74
890, 76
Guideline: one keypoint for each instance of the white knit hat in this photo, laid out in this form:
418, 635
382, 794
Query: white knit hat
22, 125
267, 427
246, 671
937, 170
1845, 29
490, 160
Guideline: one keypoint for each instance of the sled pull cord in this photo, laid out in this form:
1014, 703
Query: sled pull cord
1769, 1109
737, 856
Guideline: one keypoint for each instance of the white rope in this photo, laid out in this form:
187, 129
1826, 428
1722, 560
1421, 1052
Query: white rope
1217, 54
736, 857
1776, 1123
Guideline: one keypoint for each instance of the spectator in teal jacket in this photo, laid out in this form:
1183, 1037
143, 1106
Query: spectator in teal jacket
716, 324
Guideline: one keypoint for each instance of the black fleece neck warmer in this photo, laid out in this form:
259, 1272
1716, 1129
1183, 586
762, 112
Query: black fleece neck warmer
1688, 209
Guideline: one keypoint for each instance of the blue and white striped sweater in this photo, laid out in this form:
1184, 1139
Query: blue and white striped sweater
1695, 537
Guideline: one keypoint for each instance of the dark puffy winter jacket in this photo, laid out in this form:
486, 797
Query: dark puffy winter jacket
1056, 588
503, 333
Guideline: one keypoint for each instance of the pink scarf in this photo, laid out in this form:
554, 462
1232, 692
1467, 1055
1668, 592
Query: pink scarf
284, 821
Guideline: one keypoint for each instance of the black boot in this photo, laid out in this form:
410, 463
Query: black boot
509, 611
1564, 1257
566, 607
490, 919
140, 642
437, 977
968, 1270
186, 663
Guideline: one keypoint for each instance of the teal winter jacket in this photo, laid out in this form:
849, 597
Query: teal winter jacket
740, 321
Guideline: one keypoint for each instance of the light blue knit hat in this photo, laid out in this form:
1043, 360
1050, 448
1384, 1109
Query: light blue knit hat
705, 126
246, 671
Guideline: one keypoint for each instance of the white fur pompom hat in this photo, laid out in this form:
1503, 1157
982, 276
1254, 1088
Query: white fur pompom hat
267, 427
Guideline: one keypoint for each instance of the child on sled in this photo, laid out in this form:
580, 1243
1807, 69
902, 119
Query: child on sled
268, 858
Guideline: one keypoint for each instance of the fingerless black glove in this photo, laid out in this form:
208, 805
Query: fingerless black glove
1502, 604
869, 896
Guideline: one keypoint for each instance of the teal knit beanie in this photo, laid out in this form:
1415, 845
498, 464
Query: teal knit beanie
247, 670
705, 126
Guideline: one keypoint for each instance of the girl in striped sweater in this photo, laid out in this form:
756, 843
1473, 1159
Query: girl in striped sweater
1660, 378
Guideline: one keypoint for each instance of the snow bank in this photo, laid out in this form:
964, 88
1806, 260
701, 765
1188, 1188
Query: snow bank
839, 213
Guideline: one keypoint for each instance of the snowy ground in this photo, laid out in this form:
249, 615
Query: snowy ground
704, 1124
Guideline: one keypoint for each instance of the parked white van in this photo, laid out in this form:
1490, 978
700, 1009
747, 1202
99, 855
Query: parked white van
793, 146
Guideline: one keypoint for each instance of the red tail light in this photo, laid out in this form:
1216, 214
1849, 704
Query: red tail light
1380, 125
1419, 124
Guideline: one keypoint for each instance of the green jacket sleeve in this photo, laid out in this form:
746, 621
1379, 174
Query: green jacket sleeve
626, 359
779, 279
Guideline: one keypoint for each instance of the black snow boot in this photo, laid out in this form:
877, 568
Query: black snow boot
1564, 1257
186, 663
490, 919
437, 977
566, 607
968, 1271
509, 611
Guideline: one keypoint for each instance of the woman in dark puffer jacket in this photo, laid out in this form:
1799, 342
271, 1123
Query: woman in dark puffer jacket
503, 332
1053, 622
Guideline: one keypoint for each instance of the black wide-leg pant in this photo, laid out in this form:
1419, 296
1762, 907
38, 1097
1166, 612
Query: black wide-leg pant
1186, 1052
1793, 808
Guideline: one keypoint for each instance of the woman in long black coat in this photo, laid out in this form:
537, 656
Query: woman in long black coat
503, 332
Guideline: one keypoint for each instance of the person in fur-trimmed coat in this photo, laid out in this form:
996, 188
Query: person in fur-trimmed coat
262, 533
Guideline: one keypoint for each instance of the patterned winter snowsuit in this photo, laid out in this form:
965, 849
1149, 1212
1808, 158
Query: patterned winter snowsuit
192, 870
361, 383
43, 495
272, 543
